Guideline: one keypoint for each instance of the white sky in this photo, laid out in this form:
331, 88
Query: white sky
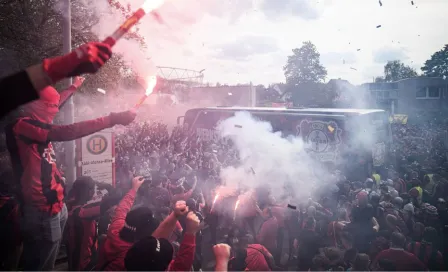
242, 41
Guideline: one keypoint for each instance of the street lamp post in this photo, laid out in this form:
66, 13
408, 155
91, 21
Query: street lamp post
69, 106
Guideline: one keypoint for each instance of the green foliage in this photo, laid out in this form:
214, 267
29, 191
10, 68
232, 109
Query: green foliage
396, 70
379, 79
437, 65
303, 66
304, 76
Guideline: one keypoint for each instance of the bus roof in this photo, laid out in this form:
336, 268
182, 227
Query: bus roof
301, 110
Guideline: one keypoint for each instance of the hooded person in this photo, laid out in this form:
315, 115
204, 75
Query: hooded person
82, 228
40, 184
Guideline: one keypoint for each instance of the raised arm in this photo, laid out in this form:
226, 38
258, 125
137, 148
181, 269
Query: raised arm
24, 86
166, 228
125, 206
185, 257
36, 131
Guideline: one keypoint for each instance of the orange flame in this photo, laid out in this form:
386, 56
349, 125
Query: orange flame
152, 82
151, 5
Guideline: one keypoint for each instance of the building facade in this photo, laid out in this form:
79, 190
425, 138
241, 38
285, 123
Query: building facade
412, 96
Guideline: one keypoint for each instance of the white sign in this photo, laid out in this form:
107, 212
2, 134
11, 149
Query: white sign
96, 153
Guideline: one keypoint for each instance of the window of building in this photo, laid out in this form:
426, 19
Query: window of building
421, 93
386, 94
433, 92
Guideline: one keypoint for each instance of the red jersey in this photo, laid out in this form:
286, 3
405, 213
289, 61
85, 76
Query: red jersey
256, 258
82, 231
34, 161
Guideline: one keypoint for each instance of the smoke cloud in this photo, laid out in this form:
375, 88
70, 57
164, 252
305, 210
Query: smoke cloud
267, 158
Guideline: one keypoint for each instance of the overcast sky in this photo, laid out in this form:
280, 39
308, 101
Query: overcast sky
241, 41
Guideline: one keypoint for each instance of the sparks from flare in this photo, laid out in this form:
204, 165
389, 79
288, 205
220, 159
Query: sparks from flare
152, 82
214, 201
237, 203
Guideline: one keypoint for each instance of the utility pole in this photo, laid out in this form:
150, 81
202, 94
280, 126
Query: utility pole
69, 106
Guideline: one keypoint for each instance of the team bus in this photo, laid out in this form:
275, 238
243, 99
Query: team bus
355, 141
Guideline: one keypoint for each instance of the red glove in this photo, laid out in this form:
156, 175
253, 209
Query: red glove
87, 58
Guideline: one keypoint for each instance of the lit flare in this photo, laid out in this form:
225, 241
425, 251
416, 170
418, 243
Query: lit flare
152, 82
149, 6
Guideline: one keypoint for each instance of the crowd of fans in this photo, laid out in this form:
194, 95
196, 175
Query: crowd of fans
165, 214
397, 221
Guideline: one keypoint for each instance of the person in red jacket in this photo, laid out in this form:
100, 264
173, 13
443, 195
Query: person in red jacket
399, 258
152, 254
40, 184
127, 227
82, 228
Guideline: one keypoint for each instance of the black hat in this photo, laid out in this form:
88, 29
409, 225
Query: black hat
138, 222
149, 254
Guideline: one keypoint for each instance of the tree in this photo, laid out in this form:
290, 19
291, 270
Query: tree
379, 79
437, 65
304, 65
396, 70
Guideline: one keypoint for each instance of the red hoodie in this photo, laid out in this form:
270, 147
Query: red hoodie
82, 234
114, 251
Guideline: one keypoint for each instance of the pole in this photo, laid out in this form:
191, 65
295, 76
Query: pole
69, 107
252, 96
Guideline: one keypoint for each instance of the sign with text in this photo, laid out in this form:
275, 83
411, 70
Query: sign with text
96, 155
